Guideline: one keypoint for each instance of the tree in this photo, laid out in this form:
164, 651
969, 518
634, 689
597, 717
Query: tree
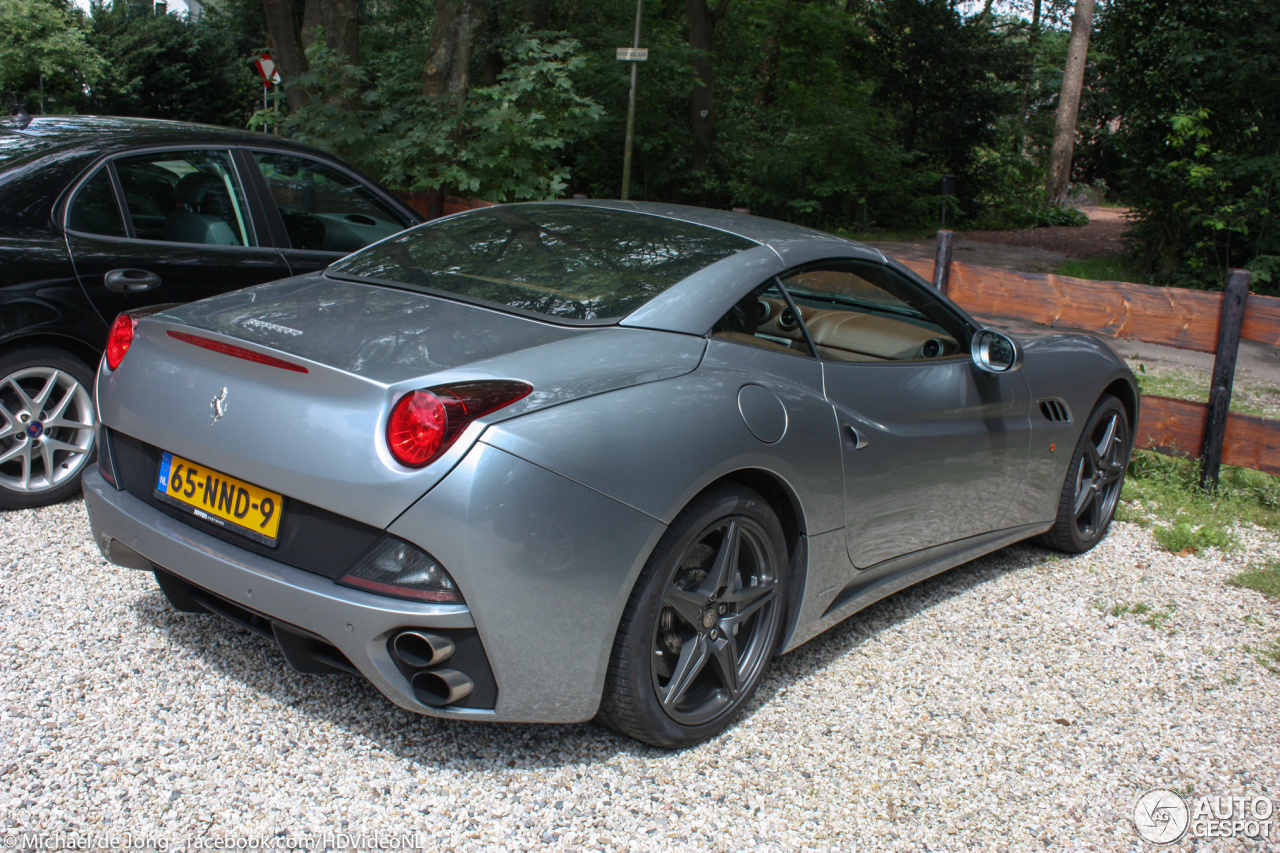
1197, 134
454, 32
287, 50
43, 48
1064, 131
702, 107
166, 66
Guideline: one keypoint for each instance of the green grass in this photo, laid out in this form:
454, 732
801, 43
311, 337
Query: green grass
1186, 385
1106, 268
1267, 656
1264, 579
1154, 618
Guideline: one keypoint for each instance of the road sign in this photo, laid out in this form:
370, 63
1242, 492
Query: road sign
633, 54
267, 68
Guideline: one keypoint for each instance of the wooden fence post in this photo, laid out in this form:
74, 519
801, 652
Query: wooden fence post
1224, 373
942, 262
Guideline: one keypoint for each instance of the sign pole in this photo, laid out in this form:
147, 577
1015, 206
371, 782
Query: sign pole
631, 109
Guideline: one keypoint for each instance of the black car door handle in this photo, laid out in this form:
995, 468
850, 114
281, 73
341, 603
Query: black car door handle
130, 281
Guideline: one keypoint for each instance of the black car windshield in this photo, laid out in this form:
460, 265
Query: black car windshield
563, 261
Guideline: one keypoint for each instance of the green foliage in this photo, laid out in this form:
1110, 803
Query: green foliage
501, 142
1193, 93
1106, 268
1264, 579
166, 66
1163, 492
46, 38
1183, 537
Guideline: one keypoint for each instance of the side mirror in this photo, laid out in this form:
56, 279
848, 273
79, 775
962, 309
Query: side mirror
995, 353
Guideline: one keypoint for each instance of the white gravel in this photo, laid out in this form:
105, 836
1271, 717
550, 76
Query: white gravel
997, 707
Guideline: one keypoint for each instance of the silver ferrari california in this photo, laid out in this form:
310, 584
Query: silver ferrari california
563, 460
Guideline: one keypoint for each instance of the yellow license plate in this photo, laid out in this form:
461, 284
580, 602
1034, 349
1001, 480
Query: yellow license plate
230, 503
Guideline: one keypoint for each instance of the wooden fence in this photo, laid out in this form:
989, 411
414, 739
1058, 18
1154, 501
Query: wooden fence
1187, 319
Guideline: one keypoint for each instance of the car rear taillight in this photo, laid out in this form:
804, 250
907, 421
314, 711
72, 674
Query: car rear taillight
423, 424
119, 339
396, 568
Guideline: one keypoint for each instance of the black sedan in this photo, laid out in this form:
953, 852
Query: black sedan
102, 215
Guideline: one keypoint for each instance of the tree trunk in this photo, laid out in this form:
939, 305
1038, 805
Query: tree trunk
341, 27
1033, 41
457, 25
287, 51
1064, 130
311, 22
702, 114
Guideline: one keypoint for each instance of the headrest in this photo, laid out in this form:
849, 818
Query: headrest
193, 189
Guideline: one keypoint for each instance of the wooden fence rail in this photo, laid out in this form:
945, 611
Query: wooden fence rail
1187, 319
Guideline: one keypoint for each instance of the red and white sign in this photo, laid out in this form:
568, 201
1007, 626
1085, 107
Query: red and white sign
267, 68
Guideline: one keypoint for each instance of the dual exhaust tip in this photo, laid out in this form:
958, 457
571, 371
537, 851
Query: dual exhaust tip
422, 653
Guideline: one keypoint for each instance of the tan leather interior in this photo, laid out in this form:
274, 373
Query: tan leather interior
852, 335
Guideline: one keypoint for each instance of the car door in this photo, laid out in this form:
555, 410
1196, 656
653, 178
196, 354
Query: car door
168, 225
933, 448
319, 212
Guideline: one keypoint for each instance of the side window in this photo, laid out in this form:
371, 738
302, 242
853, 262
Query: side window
763, 319
324, 209
867, 312
95, 210
185, 197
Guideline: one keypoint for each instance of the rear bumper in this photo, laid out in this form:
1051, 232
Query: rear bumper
357, 624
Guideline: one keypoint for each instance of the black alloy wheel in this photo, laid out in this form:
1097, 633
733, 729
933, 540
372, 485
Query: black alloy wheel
702, 624
1094, 480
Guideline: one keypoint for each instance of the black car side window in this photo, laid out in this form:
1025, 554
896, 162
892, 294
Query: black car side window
322, 208
185, 197
95, 209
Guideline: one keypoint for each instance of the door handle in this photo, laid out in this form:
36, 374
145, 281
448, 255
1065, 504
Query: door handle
859, 440
130, 281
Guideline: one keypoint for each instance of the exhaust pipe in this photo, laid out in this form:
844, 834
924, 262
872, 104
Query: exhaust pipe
439, 687
419, 649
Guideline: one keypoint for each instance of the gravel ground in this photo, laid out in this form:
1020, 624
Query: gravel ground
998, 707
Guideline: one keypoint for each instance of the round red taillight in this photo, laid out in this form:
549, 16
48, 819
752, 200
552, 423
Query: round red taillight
416, 428
119, 339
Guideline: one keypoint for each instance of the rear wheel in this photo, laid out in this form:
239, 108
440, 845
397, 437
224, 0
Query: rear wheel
1094, 480
702, 623
46, 426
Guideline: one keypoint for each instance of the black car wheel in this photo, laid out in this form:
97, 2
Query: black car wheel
1094, 480
702, 623
46, 426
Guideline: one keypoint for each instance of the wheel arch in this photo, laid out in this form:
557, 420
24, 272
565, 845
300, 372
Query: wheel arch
71, 345
1124, 391
786, 505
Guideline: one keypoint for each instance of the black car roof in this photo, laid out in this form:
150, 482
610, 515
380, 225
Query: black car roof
104, 133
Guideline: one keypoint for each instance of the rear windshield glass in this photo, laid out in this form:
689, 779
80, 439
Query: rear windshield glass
561, 261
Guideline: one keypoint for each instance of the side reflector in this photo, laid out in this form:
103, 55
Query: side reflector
237, 352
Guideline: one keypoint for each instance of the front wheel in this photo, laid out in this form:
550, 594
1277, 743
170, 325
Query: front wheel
1094, 480
46, 426
702, 623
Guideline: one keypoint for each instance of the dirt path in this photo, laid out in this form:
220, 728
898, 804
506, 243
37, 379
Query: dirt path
1029, 250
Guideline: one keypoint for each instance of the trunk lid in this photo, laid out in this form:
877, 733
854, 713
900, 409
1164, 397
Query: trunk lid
318, 436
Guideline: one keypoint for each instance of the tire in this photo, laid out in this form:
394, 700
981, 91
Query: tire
46, 426
702, 623
1094, 480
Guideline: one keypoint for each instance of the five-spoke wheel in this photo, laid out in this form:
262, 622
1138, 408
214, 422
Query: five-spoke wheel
702, 623
46, 427
1094, 479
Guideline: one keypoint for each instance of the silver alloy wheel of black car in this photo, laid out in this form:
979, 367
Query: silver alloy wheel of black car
1094, 480
702, 624
46, 427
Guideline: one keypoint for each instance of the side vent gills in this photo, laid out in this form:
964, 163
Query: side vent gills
1055, 411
